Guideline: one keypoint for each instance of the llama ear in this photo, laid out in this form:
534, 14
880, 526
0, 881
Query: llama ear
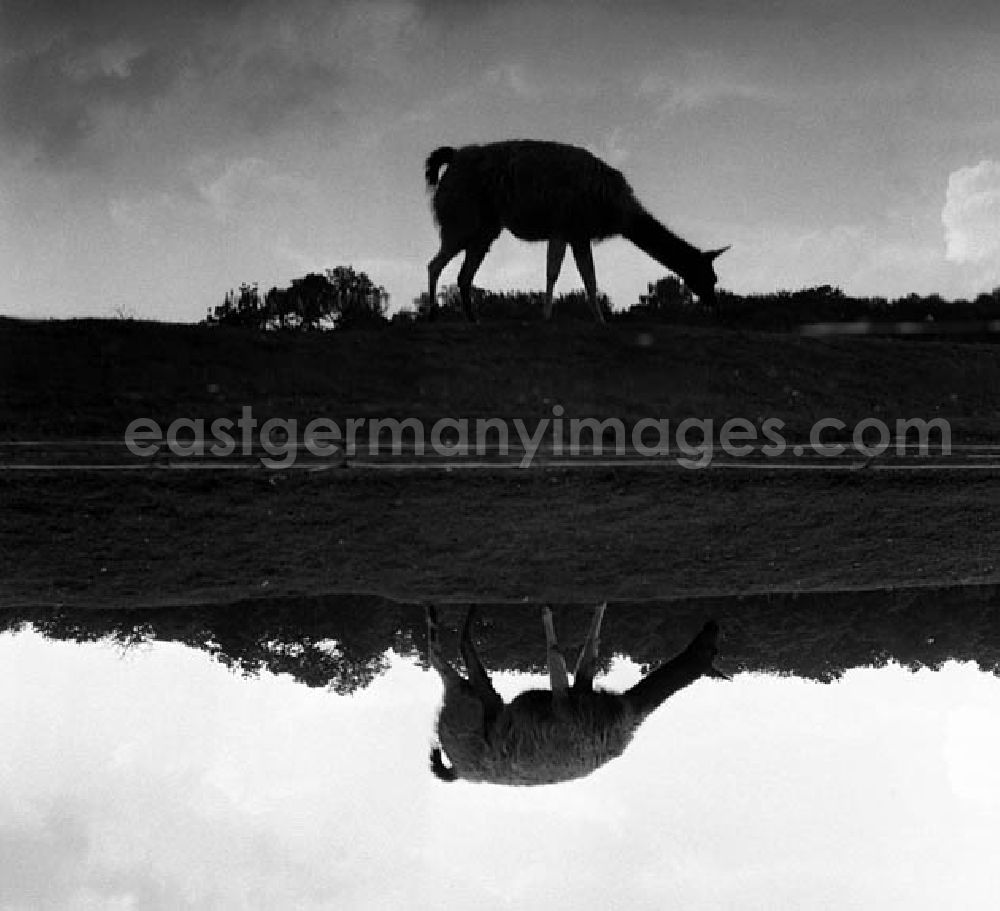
713, 254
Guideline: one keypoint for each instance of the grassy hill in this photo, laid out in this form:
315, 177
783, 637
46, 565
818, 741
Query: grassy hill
89, 378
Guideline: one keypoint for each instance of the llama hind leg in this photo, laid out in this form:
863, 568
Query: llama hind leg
434, 268
474, 256
553, 265
586, 665
558, 678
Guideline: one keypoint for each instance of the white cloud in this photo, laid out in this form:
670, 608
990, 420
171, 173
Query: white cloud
699, 79
192, 79
245, 182
137, 214
613, 149
973, 742
512, 77
971, 214
301, 260
857, 258
685, 95
112, 59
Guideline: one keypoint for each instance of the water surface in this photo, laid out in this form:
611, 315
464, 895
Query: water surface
274, 755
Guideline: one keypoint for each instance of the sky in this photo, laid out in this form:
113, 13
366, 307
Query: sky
154, 155
157, 778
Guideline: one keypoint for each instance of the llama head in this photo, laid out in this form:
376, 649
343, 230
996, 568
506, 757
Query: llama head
700, 276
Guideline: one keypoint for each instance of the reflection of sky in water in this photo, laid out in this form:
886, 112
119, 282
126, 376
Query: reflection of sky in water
158, 779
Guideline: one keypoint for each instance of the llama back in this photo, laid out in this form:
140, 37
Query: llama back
536, 190
535, 743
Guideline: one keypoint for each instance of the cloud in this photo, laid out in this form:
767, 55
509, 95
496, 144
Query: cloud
80, 81
65, 64
240, 190
137, 214
245, 183
512, 78
517, 81
614, 149
676, 94
971, 214
878, 260
701, 78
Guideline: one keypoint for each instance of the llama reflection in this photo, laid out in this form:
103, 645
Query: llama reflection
544, 736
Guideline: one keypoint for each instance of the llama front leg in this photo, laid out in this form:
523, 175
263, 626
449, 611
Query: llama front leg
478, 676
558, 678
584, 257
553, 265
586, 665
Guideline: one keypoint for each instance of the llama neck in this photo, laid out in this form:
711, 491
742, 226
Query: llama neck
660, 243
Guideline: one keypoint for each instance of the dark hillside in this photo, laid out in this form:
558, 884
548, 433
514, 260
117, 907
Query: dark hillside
89, 378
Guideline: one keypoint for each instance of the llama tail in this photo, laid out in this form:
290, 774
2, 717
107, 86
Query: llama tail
437, 158
439, 768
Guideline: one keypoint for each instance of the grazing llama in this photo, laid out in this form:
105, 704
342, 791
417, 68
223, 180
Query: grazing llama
546, 736
552, 192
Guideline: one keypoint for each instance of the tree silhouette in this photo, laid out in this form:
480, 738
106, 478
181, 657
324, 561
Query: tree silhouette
245, 309
359, 301
314, 300
666, 296
341, 641
340, 298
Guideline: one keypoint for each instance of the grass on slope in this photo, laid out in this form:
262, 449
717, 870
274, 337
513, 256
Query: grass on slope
90, 378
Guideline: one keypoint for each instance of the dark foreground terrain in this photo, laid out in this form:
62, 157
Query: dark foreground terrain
90, 378
183, 537
145, 538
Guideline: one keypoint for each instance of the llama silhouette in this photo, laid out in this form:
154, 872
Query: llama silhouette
546, 191
548, 736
